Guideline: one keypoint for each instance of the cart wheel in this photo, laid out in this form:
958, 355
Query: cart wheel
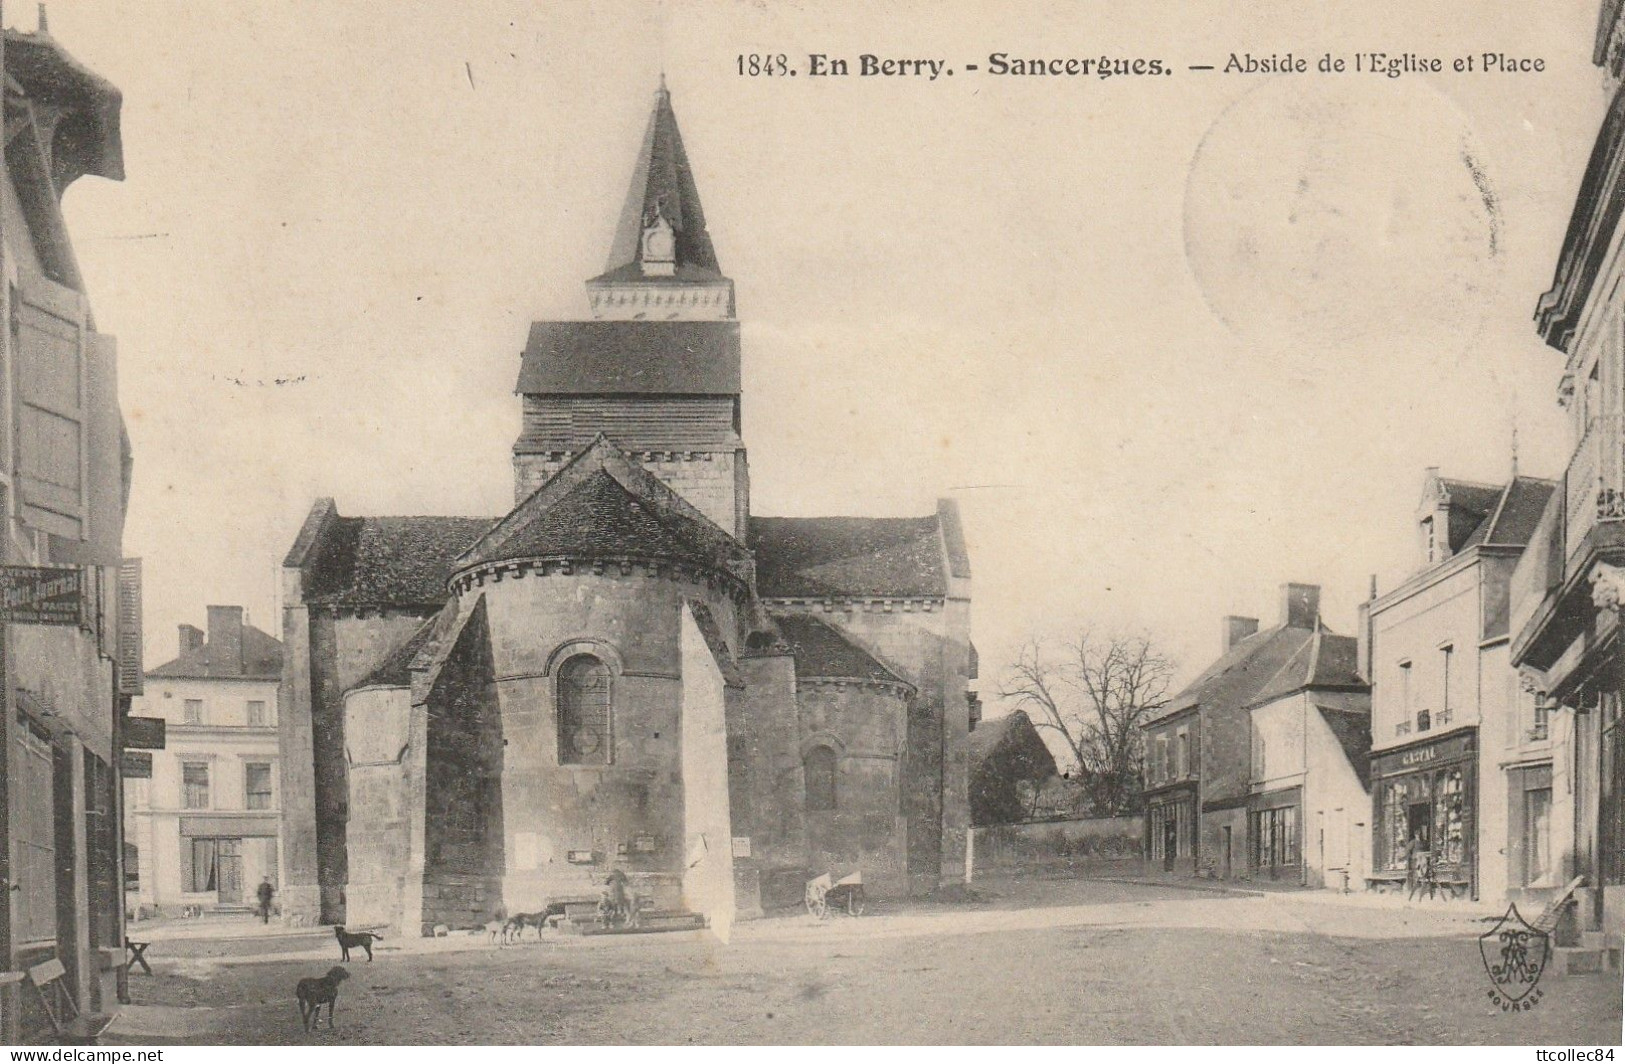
854, 902
818, 906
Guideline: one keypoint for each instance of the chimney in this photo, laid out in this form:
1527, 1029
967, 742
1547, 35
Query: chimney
1362, 638
1238, 628
226, 640
1300, 605
191, 638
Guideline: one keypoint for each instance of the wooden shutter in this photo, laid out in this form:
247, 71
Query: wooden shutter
129, 627
51, 451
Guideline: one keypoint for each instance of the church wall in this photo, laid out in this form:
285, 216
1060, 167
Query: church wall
765, 781
299, 896
377, 722
343, 650
867, 831
708, 867
930, 649
629, 812
463, 839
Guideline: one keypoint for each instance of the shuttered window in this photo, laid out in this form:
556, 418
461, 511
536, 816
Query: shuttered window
33, 835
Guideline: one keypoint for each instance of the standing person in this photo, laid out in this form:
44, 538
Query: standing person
265, 892
1413, 862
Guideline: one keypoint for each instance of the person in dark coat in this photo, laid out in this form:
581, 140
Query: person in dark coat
265, 893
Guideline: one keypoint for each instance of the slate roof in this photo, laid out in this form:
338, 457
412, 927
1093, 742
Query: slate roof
1353, 732
663, 180
630, 358
262, 660
384, 561
1242, 674
602, 504
820, 650
813, 557
47, 72
1517, 510
1322, 660
1471, 506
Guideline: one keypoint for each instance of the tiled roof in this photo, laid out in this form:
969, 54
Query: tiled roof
820, 650
811, 557
262, 660
603, 504
631, 358
386, 561
663, 180
1353, 732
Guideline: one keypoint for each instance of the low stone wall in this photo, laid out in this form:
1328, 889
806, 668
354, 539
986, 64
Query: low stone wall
1096, 845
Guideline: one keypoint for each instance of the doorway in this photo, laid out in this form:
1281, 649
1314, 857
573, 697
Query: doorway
230, 872
1170, 842
1227, 859
1418, 824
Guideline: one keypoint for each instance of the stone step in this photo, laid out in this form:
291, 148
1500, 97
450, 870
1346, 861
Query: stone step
649, 922
1579, 960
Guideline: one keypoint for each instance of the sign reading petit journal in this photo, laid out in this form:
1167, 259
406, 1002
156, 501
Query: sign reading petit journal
30, 595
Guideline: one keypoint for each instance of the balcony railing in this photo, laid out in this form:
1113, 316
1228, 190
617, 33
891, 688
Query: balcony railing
1595, 481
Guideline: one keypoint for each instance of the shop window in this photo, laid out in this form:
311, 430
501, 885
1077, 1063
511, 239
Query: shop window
257, 785
819, 768
1276, 832
195, 785
1449, 841
584, 712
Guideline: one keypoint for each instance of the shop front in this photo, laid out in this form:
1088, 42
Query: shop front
1275, 831
1171, 826
1424, 798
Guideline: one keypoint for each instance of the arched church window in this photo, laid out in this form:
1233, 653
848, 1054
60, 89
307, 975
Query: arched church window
584, 718
819, 769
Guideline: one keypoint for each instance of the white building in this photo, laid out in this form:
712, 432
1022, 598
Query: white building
205, 828
1445, 700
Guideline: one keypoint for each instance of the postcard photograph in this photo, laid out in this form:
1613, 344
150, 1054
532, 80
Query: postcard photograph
1106, 528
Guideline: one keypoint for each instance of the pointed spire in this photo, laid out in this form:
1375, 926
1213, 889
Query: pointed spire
663, 196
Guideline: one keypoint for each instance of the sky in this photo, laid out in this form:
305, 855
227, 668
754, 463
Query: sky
1171, 341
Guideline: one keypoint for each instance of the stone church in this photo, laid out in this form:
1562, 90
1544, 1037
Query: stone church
630, 669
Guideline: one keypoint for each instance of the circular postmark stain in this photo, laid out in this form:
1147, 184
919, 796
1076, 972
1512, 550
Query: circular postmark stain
1329, 213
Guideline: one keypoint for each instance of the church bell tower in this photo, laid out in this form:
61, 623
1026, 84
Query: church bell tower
657, 367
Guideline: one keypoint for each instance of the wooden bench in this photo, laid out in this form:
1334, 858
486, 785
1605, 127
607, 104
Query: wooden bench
67, 1021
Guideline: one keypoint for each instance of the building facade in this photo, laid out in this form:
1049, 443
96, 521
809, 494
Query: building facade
1567, 590
63, 685
1311, 736
1216, 803
630, 669
1443, 691
203, 829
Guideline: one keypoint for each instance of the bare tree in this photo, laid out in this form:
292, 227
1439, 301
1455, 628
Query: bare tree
1094, 692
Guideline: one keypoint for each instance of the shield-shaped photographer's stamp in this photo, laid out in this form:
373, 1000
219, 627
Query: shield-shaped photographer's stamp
1515, 953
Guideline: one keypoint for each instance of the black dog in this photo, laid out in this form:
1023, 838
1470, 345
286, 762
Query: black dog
313, 993
515, 927
349, 940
